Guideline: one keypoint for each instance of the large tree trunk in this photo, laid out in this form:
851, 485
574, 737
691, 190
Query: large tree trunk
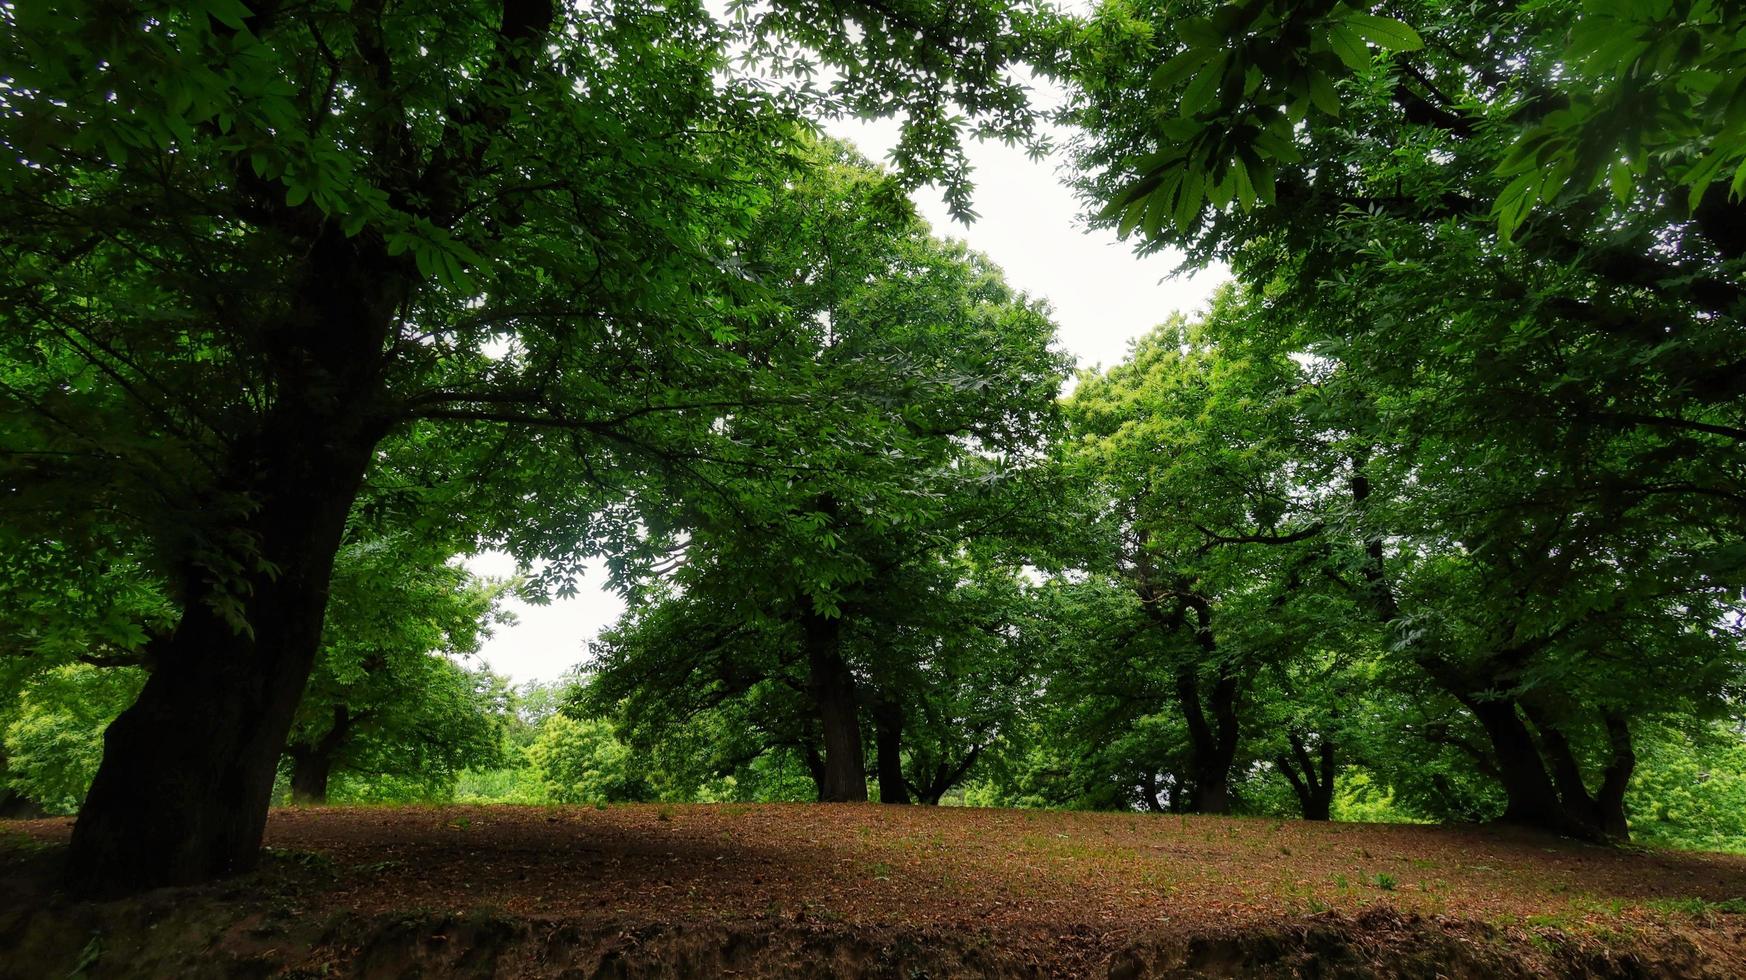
1530, 796
1542, 780
1601, 813
888, 743
832, 685
187, 774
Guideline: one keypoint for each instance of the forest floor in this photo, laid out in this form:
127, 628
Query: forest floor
806, 890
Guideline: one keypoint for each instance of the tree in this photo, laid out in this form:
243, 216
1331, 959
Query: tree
259, 256
955, 671
387, 695
1533, 377
1216, 490
580, 761
934, 386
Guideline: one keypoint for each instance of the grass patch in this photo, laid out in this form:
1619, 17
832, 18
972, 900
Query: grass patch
1698, 908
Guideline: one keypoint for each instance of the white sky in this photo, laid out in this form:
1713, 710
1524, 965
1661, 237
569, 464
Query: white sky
1103, 297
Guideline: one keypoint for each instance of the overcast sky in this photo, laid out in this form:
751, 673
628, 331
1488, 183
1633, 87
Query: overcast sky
1102, 296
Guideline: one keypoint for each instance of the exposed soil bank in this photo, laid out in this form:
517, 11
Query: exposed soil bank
868, 892
201, 942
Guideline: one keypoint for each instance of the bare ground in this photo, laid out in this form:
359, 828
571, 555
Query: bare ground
809, 890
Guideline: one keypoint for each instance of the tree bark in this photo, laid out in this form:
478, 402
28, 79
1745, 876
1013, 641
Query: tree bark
312, 765
1610, 800
832, 685
309, 774
815, 768
181, 794
888, 739
1531, 798
187, 773
1311, 779
1212, 745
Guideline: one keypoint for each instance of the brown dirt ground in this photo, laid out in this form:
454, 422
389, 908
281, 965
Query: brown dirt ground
864, 890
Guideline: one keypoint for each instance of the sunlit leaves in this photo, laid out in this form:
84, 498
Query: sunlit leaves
1660, 92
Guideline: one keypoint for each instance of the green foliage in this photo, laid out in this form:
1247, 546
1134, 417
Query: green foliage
1513, 450
582, 762
1241, 80
53, 735
1690, 789
509, 784
947, 72
1358, 798
389, 706
1630, 98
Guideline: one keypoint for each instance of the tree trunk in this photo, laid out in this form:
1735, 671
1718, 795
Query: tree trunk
1610, 800
181, 794
1324, 808
1532, 799
311, 765
1149, 793
945, 776
1311, 779
1212, 746
888, 737
815, 768
833, 690
187, 773
309, 774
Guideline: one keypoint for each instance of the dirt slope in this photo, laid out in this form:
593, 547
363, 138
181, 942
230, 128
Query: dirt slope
869, 891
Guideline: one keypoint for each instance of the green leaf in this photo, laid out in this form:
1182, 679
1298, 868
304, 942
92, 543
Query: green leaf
1200, 91
1701, 176
1190, 197
1245, 186
1349, 46
1262, 176
1516, 200
1385, 32
230, 13
1172, 72
1322, 93
1131, 216
1620, 178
